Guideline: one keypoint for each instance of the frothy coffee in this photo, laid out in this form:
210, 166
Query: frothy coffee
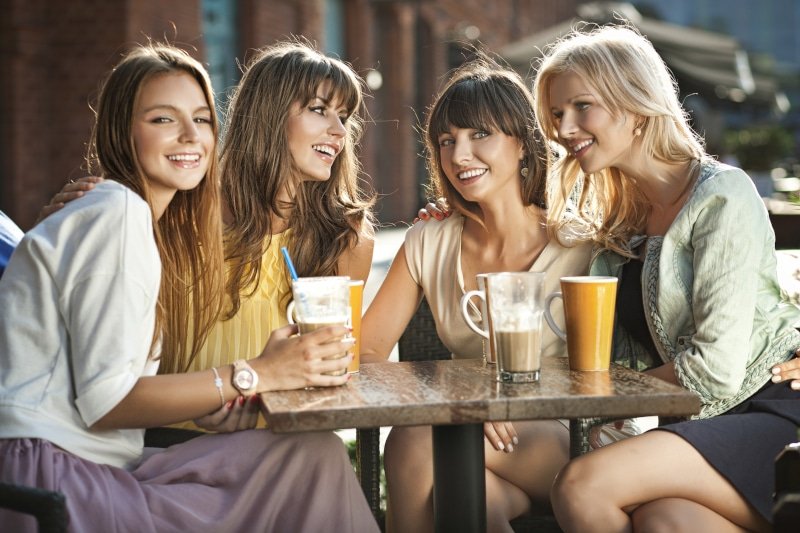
519, 351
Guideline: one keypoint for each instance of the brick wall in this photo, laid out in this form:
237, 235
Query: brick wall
52, 55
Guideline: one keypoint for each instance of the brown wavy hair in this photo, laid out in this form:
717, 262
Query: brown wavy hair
326, 218
189, 234
483, 94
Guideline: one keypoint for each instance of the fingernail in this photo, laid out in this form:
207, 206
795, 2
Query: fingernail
510, 448
254, 398
776, 379
776, 370
500, 445
242, 400
795, 385
515, 440
229, 405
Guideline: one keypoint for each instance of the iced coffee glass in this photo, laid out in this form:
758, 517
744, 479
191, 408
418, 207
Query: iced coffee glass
515, 302
320, 302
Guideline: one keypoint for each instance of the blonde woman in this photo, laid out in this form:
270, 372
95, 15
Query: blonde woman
699, 302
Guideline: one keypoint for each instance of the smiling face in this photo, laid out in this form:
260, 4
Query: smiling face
172, 135
585, 127
480, 163
316, 134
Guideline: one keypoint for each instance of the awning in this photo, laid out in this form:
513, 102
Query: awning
711, 64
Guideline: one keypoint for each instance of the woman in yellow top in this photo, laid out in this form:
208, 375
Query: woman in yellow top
290, 177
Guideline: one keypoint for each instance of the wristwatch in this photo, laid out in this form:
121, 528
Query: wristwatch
245, 379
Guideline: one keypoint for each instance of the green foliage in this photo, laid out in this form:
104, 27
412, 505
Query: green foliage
759, 147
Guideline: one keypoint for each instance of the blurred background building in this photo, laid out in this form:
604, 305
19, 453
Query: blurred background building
52, 55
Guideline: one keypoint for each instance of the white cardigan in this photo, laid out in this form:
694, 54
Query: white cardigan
78, 300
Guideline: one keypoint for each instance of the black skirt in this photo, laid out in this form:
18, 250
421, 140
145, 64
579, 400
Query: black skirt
742, 443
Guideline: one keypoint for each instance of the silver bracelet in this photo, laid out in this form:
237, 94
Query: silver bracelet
218, 385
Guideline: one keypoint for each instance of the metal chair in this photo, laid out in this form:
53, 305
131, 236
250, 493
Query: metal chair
50, 507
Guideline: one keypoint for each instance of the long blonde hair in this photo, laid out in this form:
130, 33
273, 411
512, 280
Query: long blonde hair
189, 234
482, 94
327, 217
627, 75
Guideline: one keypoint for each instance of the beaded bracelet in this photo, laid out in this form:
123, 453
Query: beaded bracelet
218, 385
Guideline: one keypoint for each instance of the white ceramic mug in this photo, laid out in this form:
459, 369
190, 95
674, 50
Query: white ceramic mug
486, 322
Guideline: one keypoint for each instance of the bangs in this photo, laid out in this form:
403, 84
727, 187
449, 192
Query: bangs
478, 103
344, 87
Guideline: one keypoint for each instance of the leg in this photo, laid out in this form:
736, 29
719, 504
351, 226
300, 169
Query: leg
597, 490
529, 471
513, 480
674, 515
408, 461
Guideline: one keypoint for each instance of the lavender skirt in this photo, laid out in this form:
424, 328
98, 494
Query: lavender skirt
246, 481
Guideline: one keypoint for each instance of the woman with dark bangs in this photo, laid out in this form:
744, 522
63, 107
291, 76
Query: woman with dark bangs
487, 160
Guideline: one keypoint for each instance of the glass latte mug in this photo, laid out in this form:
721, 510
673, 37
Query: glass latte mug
515, 304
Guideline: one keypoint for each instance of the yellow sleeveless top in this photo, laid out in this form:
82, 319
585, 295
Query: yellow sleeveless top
245, 334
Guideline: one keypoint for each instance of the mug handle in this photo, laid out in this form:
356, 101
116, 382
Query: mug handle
465, 313
547, 316
290, 312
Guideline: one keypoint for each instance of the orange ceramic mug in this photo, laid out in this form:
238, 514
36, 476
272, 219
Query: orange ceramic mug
589, 303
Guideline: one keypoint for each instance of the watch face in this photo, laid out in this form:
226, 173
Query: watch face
244, 379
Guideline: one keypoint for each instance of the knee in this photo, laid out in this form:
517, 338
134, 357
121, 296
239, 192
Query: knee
643, 519
404, 452
572, 485
323, 448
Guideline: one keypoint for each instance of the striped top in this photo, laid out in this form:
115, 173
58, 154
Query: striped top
246, 333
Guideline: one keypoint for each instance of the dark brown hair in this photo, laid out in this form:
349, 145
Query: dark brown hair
482, 94
326, 217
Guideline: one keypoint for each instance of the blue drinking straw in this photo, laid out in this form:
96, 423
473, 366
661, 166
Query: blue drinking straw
289, 265
292, 272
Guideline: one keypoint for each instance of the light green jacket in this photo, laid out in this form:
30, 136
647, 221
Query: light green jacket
711, 295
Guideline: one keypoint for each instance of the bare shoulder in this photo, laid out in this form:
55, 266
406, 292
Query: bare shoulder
356, 261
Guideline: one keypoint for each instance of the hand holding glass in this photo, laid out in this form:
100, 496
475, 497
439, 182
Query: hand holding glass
320, 302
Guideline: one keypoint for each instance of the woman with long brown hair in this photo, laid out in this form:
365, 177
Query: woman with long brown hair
102, 292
